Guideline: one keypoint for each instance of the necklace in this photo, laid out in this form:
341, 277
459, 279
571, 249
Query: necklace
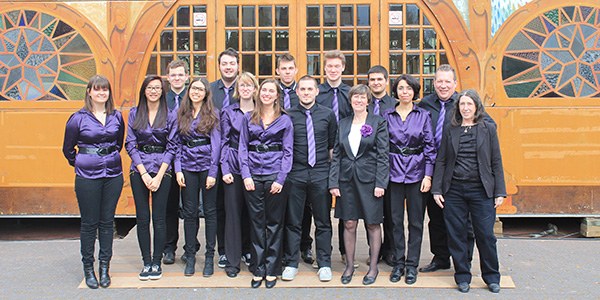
467, 128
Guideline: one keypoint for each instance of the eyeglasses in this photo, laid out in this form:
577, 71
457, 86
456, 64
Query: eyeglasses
197, 89
245, 86
154, 88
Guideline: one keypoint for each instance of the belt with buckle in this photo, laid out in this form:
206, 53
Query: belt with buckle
102, 151
405, 151
148, 149
198, 142
262, 148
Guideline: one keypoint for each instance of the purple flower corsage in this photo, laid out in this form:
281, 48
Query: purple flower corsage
366, 130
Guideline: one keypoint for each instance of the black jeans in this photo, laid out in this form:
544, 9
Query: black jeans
196, 182
97, 200
172, 218
141, 197
237, 225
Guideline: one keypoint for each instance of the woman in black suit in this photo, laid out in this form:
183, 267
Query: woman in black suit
469, 179
358, 177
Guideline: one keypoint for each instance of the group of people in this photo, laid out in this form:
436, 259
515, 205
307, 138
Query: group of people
261, 160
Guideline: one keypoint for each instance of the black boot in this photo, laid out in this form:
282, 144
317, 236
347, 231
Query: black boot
190, 265
208, 267
90, 276
104, 276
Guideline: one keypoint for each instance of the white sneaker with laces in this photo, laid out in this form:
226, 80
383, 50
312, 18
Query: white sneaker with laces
325, 274
289, 273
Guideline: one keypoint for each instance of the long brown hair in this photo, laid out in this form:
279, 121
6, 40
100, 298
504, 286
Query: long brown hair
479, 112
141, 118
258, 106
208, 118
99, 82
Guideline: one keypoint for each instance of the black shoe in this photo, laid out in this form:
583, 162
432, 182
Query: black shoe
411, 275
231, 272
432, 267
494, 287
270, 283
307, 256
397, 273
90, 276
156, 272
367, 280
145, 273
104, 276
209, 267
347, 279
390, 260
255, 283
190, 266
464, 287
169, 258
222, 261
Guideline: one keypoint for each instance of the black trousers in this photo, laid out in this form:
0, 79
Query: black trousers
221, 213
267, 216
196, 182
97, 199
172, 218
306, 240
237, 224
438, 240
141, 197
462, 199
316, 194
395, 198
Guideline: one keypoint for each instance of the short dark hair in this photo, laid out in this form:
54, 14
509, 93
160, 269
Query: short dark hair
446, 68
285, 57
479, 113
176, 63
360, 89
412, 82
308, 77
231, 52
377, 69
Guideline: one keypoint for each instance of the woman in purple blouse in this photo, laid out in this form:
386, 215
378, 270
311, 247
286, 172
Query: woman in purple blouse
265, 154
237, 224
196, 166
97, 130
151, 145
412, 155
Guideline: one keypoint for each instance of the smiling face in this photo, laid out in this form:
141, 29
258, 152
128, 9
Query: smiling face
334, 69
467, 109
405, 92
99, 95
359, 103
197, 92
268, 94
377, 84
307, 92
229, 67
445, 84
246, 89
287, 72
154, 90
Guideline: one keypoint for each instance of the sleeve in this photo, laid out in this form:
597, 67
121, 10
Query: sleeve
178, 153
225, 129
488, 119
215, 147
333, 127
497, 168
121, 134
288, 151
243, 148
429, 145
172, 146
71, 138
383, 155
334, 168
131, 141
440, 163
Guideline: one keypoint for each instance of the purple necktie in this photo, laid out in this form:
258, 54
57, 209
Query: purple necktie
226, 99
439, 128
176, 107
334, 104
286, 98
376, 106
310, 134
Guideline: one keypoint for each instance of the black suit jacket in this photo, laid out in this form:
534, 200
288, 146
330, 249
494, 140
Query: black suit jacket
371, 163
489, 160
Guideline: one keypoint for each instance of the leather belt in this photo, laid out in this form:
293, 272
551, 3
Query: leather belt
198, 142
148, 149
233, 144
405, 151
102, 151
262, 148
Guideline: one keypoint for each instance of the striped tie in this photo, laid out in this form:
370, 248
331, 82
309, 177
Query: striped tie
334, 104
310, 134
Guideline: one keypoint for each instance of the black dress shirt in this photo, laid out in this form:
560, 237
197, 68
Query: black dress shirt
218, 93
385, 103
325, 98
294, 100
171, 97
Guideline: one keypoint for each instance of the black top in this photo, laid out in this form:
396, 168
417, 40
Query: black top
325, 98
466, 168
218, 93
292, 92
385, 103
325, 127
171, 98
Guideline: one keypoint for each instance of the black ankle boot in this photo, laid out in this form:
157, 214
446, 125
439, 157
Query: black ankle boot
104, 276
90, 276
208, 267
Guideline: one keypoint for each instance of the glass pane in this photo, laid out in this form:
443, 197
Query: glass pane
349, 65
396, 39
412, 14
151, 65
164, 62
363, 63
185, 58
363, 15
429, 39
329, 39
314, 63
183, 40
199, 40
428, 86
313, 40
170, 23
248, 63
264, 16
231, 16
443, 59
429, 65
199, 8
231, 39
426, 21
363, 39
282, 16
248, 40
348, 81
396, 63
346, 40
247, 16
412, 39
441, 46
282, 40
183, 16
346, 15
265, 64
312, 16
265, 39
412, 63
166, 40
199, 64
396, 7
329, 15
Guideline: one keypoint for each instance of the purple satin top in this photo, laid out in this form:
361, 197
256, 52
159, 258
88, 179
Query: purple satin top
199, 158
416, 131
164, 136
84, 130
280, 132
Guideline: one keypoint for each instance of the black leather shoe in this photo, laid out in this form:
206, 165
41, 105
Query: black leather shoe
231, 272
464, 287
432, 267
104, 276
307, 256
411, 276
270, 283
397, 273
255, 283
169, 258
494, 287
367, 280
209, 267
347, 279
190, 266
90, 276
390, 260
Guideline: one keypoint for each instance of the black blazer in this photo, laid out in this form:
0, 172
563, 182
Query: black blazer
370, 164
488, 157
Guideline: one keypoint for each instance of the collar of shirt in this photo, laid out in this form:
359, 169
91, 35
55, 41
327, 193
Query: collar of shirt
311, 109
291, 87
221, 85
451, 100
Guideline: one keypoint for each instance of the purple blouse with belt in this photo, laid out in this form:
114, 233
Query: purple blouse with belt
415, 132
164, 136
280, 132
231, 123
84, 130
199, 158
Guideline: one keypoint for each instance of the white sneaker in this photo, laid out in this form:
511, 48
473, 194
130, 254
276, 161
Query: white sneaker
325, 274
289, 273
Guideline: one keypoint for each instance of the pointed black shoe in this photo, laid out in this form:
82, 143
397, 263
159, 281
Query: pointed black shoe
190, 266
347, 279
464, 287
104, 276
270, 283
432, 267
169, 258
90, 276
255, 283
494, 287
397, 273
367, 280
